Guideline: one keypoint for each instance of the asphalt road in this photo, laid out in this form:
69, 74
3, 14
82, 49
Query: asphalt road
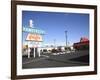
78, 58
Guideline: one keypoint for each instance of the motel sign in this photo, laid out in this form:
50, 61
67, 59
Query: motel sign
34, 35
33, 30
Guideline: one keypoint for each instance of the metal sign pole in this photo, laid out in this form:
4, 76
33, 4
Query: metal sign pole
28, 52
34, 52
38, 50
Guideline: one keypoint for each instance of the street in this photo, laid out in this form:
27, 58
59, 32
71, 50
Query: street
78, 58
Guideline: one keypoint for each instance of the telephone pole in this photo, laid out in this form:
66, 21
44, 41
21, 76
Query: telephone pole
66, 37
54, 43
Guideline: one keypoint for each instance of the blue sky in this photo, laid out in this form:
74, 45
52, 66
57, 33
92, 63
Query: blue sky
55, 24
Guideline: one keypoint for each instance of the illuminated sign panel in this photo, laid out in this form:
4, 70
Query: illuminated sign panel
33, 30
34, 37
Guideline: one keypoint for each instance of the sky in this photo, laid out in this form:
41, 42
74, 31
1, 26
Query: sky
56, 23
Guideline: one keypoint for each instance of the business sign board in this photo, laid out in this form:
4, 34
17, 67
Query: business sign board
33, 30
34, 37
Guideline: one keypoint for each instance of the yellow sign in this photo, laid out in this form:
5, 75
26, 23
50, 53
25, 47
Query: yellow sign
34, 37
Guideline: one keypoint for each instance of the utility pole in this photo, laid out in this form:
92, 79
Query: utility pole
66, 37
54, 43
